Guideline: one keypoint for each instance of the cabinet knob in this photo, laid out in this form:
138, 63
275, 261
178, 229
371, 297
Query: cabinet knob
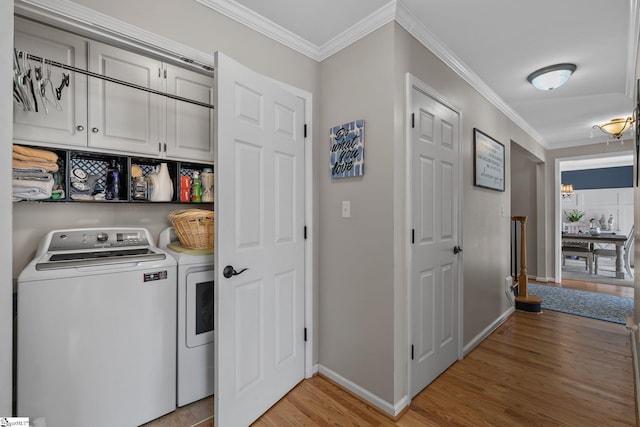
80, 128
94, 130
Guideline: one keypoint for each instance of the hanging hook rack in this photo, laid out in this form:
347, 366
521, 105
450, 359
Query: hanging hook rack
110, 79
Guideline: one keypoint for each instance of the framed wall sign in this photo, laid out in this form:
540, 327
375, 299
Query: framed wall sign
488, 162
346, 145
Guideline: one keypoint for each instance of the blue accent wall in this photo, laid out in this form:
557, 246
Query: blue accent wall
592, 179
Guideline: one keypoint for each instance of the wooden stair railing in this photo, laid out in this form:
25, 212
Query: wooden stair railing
525, 301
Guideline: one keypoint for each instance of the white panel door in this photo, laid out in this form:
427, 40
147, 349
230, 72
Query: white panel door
260, 223
123, 118
433, 151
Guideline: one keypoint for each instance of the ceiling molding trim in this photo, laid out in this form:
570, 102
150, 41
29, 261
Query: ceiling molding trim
365, 26
74, 17
632, 48
268, 28
418, 30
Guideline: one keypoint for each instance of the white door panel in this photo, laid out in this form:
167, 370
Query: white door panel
434, 218
260, 224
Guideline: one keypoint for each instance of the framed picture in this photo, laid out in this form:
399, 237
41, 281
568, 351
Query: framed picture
346, 149
488, 162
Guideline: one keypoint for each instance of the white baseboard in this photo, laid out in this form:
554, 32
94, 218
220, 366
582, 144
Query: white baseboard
391, 409
487, 331
635, 339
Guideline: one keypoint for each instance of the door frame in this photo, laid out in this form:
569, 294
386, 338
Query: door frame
73, 17
413, 82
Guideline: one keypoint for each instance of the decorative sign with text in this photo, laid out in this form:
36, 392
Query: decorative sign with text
488, 162
347, 149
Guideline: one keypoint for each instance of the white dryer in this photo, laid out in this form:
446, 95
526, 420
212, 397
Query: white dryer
194, 319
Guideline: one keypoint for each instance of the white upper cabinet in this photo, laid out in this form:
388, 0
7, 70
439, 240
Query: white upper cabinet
64, 122
120, 117
189, 126
107, 116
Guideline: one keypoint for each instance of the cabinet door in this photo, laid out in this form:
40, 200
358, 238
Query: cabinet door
189, 126
120, 117
67, 124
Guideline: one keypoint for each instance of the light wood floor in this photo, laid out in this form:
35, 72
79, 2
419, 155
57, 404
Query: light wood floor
549, 369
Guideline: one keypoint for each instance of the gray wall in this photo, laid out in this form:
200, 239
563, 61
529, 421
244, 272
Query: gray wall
356, 261
524, 200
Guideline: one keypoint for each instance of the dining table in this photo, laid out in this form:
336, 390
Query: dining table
603, 238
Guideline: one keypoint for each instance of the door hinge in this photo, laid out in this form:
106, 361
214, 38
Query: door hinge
413, 236
413, 120
411, 351
305, 130
305, 232
305, 334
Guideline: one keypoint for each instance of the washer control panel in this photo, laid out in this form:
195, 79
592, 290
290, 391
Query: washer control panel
82, 239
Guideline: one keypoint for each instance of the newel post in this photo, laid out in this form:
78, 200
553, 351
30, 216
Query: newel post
524, 301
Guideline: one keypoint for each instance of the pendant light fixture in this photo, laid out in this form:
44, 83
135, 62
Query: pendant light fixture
551, 77
615, 127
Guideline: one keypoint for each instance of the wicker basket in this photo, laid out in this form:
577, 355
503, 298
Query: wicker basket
194, 227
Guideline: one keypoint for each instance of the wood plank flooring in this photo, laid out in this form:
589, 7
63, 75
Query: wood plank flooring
549, 369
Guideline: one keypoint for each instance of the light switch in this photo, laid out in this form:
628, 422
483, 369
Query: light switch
346, 209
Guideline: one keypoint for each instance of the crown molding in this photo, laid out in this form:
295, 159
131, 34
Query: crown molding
632, 48
251, 19
74, 17
270, 29
362, 28
417, 29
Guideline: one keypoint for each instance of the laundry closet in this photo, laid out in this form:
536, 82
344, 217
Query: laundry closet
110, 120
260, 194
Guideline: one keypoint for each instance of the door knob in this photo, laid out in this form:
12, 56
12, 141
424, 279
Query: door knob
457, 249
230, 271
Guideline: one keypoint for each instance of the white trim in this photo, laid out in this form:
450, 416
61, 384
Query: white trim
308, 218
632, 48
633, 335
266, 27
412, 82
355, 32
488, 330
391, 409
256, 22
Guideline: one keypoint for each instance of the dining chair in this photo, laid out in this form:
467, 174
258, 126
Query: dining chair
580, 250
611, 253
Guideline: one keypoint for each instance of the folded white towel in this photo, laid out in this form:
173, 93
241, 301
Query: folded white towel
37, 188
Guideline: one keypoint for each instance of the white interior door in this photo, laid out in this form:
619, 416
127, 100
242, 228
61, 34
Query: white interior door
433, 294
260, 223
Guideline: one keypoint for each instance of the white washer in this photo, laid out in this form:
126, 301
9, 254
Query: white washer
194, 319
96, 329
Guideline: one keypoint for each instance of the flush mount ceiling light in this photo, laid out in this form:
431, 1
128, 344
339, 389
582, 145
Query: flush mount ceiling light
615, 127
551, 77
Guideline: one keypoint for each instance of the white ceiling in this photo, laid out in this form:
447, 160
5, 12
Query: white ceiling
493, 44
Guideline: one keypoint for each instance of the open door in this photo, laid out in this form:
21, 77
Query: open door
259, 203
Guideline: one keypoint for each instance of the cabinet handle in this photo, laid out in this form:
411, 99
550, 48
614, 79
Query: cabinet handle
94, 130
80, 128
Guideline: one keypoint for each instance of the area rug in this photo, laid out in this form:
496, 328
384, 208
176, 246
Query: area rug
611, 308
575, 270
